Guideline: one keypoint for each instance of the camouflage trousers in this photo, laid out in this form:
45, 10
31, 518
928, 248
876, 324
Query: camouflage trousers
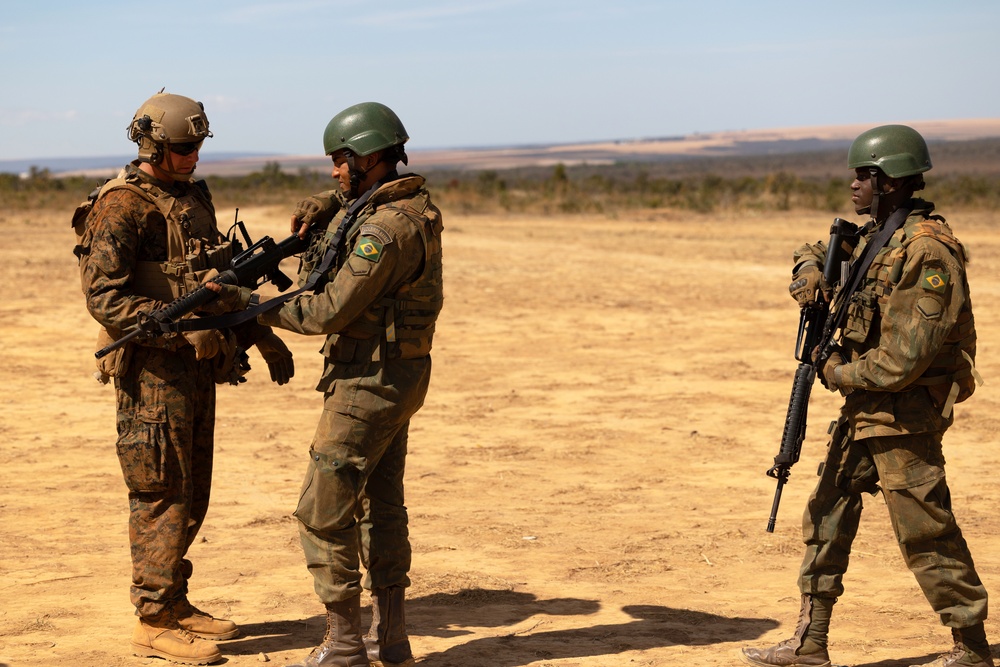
351, 509
909, 471
166, 421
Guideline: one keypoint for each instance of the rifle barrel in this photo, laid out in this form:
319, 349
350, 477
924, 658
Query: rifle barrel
774, 505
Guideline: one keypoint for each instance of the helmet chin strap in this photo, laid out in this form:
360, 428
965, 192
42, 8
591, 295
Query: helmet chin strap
355, 175
876, 192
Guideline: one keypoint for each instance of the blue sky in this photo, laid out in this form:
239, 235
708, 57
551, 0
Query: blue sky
492, 73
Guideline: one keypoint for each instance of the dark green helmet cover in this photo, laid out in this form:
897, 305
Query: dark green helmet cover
364, 129
897, 150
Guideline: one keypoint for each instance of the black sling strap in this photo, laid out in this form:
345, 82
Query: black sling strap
860, 268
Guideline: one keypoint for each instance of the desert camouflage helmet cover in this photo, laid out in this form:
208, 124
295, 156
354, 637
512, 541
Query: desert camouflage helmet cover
898, 150
166, 118
364, 129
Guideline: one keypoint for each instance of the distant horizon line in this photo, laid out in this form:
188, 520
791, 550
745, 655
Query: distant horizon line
664, 146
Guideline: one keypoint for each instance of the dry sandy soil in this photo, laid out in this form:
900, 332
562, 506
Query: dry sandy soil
586, 480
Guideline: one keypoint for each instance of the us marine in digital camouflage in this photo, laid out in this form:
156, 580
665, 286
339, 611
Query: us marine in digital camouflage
905, 356
150, 237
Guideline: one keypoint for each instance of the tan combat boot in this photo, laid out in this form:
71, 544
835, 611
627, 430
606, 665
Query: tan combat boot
162, 638
342, 645
202, 624
971, 649
807, 647
387, 643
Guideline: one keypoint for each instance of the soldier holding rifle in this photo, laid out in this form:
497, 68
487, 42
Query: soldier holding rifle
902, 355
146, 239
375, 261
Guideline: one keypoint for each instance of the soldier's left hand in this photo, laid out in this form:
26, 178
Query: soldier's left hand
806, 285
829, 372
278, 358
231, 297
207, 343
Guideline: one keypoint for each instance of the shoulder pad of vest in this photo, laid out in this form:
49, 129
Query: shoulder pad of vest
397, 189
932, 228
121, 183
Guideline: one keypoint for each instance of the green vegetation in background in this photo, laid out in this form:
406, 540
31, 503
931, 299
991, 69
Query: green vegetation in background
596, 189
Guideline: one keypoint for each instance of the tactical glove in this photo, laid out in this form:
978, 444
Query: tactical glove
829, 375
278, 358
233, 297
231, 364
806, 280
207, 343
315, 211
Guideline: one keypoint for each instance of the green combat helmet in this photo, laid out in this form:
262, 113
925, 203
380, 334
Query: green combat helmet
364, 129
167, 119
897, 150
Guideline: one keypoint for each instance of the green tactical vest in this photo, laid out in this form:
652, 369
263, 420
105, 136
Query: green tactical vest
405, 318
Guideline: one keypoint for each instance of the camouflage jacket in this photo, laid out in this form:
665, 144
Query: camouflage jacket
909, 334
384, 293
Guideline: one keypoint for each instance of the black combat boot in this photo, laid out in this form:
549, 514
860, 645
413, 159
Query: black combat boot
387, 642
342, 645
808, 645
971, 649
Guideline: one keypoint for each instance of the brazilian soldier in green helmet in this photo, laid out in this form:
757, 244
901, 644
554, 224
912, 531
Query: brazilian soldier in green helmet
904, 357
378, 259
146, 238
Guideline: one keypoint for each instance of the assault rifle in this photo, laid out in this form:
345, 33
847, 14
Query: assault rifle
251, 268
816, 329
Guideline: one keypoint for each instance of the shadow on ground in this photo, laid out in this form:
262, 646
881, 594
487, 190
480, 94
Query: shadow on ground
470, 610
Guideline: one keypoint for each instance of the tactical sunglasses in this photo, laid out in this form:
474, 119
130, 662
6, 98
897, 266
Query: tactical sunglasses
186, 148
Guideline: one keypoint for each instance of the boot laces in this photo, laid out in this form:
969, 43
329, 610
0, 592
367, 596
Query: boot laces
185, 635
952, 657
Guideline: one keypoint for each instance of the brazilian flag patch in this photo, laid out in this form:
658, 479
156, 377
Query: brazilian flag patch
934, 280
369, 249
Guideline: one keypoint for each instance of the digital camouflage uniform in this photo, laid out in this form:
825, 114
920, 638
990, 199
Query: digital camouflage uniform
378, 311
165, 397
908, 344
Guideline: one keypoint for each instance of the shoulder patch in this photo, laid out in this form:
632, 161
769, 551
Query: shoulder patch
368, 248
934, 280
376, 233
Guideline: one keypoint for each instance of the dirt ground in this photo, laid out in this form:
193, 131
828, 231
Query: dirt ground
586, 480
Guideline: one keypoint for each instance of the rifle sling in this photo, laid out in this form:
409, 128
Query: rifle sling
860, 268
